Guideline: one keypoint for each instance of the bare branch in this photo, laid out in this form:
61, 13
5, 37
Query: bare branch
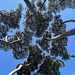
6, 38
4, 41
68, 33
72, 56
10, 42
69, 21
43, 4
20, 33
14, 71
31, 8
15, 41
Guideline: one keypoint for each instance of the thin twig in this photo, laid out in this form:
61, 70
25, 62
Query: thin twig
20, 33
43, 4
69, 21
72, 56
15, 41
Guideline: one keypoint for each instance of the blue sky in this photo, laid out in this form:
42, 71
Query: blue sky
9, 63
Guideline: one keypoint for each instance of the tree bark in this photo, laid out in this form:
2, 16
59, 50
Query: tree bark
14, 71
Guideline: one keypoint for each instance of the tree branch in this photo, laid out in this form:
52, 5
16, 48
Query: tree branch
31, 8
14, 71
6, 38
72, 56
68, 33
4, 41
43, 4
15, 41
69, 21
10, 43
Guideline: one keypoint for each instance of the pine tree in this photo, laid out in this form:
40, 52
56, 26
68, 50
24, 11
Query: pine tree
42, 22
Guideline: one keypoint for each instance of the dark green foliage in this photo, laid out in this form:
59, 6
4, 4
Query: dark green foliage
12, 18
38, 27
35, 57
41, 57
4, 46
44, 43
9, 20
58, 46
50, 66
58, 5
22, 47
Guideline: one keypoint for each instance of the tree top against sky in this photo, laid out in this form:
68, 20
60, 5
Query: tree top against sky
42, 22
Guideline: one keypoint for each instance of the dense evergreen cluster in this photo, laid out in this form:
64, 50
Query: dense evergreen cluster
58, 46
35, 57
44, 43
9, 20
58, 5
41, 57
50, 66
42, 25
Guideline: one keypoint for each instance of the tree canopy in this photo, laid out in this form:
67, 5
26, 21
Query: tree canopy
42, 22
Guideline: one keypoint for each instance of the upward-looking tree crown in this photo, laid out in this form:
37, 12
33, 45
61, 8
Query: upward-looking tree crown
42, 22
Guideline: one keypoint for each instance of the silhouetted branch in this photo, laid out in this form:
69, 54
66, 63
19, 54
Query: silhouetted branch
20, 33
72, 56
43, 4
68, 33
69, 21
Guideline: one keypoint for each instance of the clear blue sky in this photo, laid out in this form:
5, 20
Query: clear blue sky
9, 63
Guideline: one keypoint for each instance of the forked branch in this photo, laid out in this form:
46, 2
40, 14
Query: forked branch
10, 43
